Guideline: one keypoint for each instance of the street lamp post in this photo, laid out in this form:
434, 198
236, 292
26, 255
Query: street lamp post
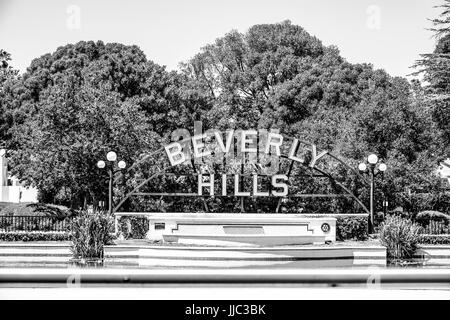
372, 171
112, 158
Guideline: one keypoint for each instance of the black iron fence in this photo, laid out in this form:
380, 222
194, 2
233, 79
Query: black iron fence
430, 226
34, 223
434, 226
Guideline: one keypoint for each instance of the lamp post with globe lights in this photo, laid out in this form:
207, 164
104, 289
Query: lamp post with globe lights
112, 158
372, 170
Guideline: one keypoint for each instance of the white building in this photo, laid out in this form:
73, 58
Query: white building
11, 190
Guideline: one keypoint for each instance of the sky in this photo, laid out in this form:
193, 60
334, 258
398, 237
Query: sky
390, 34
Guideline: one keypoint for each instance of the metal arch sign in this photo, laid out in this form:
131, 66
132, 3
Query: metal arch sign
256, 147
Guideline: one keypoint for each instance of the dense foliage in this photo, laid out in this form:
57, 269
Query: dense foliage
7, 76
435, 67
34, 236
89, 234
133, 227
434, 239
400, 236
351, 228
36, 209
433, 215
278, 76
73, 106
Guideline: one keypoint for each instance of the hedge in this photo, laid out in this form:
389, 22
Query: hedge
434, 239
133, 227
34, 236
35, 209
351, 228
433, 215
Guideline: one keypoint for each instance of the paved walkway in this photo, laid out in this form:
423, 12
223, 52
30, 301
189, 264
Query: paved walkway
35, 254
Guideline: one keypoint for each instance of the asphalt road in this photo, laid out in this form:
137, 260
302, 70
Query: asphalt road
364, 278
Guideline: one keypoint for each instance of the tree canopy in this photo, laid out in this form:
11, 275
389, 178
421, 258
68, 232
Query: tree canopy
72, 106
435, 68
279, 76
7, 76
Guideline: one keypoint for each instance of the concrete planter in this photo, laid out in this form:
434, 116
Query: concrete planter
238, 229
187, 256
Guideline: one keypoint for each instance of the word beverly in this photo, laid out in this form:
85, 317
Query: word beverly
247, 141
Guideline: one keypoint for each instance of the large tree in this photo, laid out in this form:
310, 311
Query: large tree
75, 104
7, 77
74, 128
435, 68
279, 76
72, 106
118, 68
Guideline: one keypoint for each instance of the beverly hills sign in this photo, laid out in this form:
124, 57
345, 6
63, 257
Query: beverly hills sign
249, 162
258, 147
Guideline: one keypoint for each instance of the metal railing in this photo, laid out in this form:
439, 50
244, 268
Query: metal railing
433, 226
34, 223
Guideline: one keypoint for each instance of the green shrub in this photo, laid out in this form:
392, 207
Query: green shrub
400, 236
90, 232
34, 236
36, 209
351, 228
433, 222
133, 227
434, 215
434, 239
51, 210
